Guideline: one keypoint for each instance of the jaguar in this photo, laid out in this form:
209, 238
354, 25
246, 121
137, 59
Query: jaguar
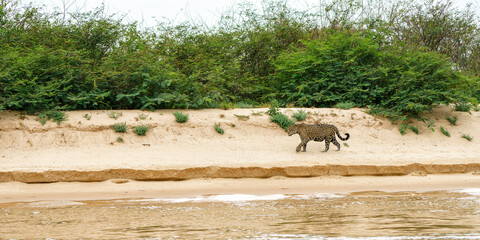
318, 133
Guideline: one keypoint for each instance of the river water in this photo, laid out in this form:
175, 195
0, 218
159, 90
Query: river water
362, 215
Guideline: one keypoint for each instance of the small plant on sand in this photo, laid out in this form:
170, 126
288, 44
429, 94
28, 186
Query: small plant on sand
282, 120
300, 115
414, 129
242, 117
180, 117
346, 144
141, 130
120, 127
115, 115
463, 107
453, 120
467, 136
120, 139
218, 129
256, 113
87, 116
345, 105
53, 115
273, 109
444, 131
141, 116
403, 128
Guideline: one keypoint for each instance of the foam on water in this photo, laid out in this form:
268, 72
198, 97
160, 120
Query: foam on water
305, 236
471, 191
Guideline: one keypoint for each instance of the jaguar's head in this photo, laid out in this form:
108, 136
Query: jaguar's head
292, 129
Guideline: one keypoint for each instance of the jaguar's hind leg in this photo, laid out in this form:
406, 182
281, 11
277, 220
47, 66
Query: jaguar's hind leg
336, 143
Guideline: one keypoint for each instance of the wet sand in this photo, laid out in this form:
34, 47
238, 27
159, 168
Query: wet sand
128, 189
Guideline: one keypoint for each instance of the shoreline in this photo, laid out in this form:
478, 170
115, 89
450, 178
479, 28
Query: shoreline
13, 192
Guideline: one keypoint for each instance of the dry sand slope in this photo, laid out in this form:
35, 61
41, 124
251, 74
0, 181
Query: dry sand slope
87, 150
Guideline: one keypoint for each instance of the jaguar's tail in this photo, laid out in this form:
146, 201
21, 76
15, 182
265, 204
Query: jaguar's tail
343, 139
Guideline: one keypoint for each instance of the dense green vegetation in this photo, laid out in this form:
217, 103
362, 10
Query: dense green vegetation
398, 59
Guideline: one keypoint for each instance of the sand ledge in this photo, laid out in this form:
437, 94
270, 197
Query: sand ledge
228, 172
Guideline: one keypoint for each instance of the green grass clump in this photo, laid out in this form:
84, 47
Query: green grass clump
463, 107
282, 120
141, 130
453, 120
242, 117
345, 105
87, 116
218, 129
120, 127
120, 139
467, 136
115, 115
180, 117
476, 108
414, 129
444, 131
300, 115
142, 116
54, 115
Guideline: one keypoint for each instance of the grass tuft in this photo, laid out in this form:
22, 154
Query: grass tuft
219, 129
141, 130
453, 120
120, 127
115, 115
180, 117
120, 139
467, 136
87, 116
54, 115
444, 131
300, 115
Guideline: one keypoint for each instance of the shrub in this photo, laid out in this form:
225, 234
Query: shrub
444, 131
141, 130
180, 117
120, 127
453, 120
300, 115
282, 120
463, 107
218, 129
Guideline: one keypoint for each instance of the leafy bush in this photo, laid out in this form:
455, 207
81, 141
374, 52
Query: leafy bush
463, 107
219, 129
300, 115
282, 120
141, 130
180, 117
120, 127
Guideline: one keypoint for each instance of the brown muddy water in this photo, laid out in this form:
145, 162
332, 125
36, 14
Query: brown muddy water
362, 215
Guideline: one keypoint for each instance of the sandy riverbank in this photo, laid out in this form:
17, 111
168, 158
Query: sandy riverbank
253, 150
